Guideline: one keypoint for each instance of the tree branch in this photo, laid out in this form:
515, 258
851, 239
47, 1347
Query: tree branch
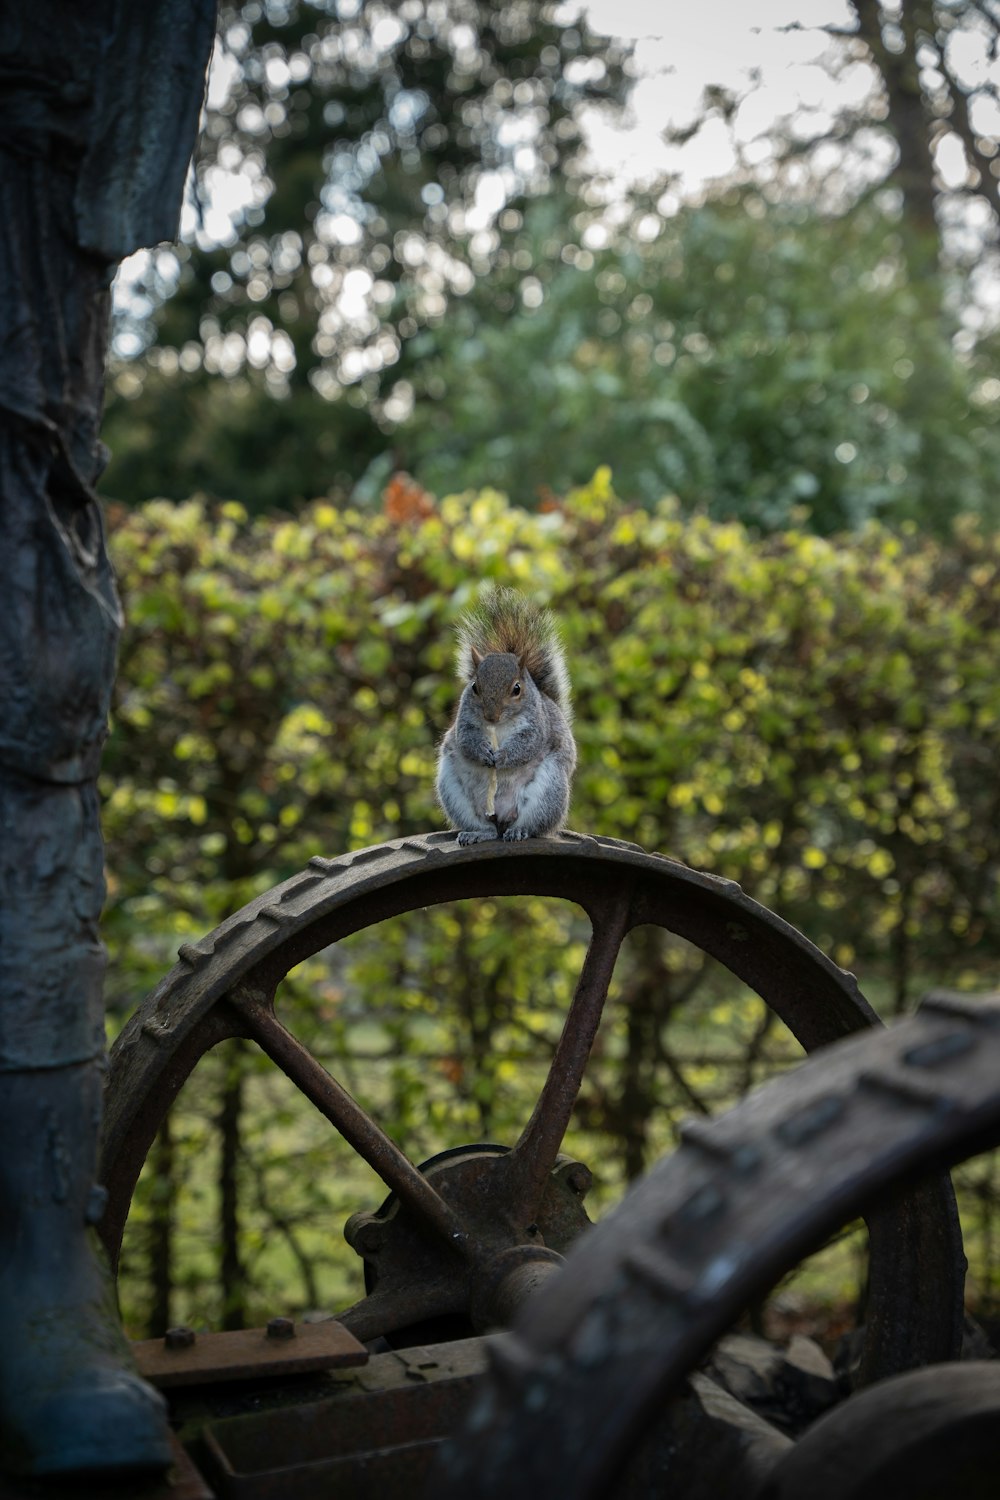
961, 124
908, 121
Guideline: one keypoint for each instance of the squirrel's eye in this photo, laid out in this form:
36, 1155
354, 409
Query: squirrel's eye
515, 691
475, 688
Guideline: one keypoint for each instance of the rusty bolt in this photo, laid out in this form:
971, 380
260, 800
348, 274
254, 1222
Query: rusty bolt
577, 1177
179, 1338
365, 1234
281, 1328
369, 1238
578, 1180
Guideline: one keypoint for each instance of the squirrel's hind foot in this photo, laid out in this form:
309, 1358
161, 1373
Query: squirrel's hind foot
476, 835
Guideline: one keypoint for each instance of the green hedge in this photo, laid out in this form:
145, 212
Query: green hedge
819, 720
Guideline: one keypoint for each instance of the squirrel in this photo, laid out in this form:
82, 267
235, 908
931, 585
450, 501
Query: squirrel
506, 763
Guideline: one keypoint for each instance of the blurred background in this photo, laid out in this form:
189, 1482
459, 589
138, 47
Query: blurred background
684, 320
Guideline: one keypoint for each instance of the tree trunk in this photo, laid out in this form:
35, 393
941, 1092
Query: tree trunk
909, 121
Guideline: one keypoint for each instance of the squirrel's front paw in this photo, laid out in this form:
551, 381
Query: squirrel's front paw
476, 835
487, 754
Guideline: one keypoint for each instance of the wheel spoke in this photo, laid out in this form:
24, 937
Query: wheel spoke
534, 1156
354, 1123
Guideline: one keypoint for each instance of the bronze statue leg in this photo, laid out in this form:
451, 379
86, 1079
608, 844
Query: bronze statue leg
99, 107
70, 1400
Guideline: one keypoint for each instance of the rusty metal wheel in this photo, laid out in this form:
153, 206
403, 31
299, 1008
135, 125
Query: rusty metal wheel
645, 1294
477, 1229
925, 1434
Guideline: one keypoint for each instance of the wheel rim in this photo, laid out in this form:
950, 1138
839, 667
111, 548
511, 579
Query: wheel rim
224, 986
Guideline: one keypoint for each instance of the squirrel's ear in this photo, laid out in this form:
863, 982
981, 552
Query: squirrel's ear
477, 658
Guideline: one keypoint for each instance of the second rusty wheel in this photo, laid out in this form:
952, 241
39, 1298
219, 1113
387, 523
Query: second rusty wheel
590, 1366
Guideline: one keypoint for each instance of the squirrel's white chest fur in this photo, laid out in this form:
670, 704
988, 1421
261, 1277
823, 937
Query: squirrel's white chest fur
511, 782
475, 779
503, 732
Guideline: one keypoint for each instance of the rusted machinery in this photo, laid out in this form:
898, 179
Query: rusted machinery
586, 1393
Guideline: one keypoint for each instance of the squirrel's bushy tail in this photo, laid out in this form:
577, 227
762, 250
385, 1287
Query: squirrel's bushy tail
505, 621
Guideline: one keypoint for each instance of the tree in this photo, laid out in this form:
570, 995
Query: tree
757, 361
779, 348
926, 53
922, 123
389, 148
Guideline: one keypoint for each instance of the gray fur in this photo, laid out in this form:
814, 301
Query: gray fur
534, 760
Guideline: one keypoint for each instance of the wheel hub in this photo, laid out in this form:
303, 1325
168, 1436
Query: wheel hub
477, 1283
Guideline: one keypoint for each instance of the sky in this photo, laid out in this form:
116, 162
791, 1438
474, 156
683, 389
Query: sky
769, 53
682, 48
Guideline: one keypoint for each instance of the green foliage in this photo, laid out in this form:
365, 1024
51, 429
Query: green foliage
763, 364
362, 134
422, 277
816, 719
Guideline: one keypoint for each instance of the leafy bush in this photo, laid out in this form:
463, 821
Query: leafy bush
815, 718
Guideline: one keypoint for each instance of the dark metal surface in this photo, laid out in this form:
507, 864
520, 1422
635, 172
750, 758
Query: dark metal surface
373, 1438
99, 109
412, 1277
225, 986
648, 1290
704, 1445
247, 1354
924, 1435
377, 1436
183, 1482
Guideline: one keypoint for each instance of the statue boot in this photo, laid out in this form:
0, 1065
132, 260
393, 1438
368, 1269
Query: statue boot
71, 1400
